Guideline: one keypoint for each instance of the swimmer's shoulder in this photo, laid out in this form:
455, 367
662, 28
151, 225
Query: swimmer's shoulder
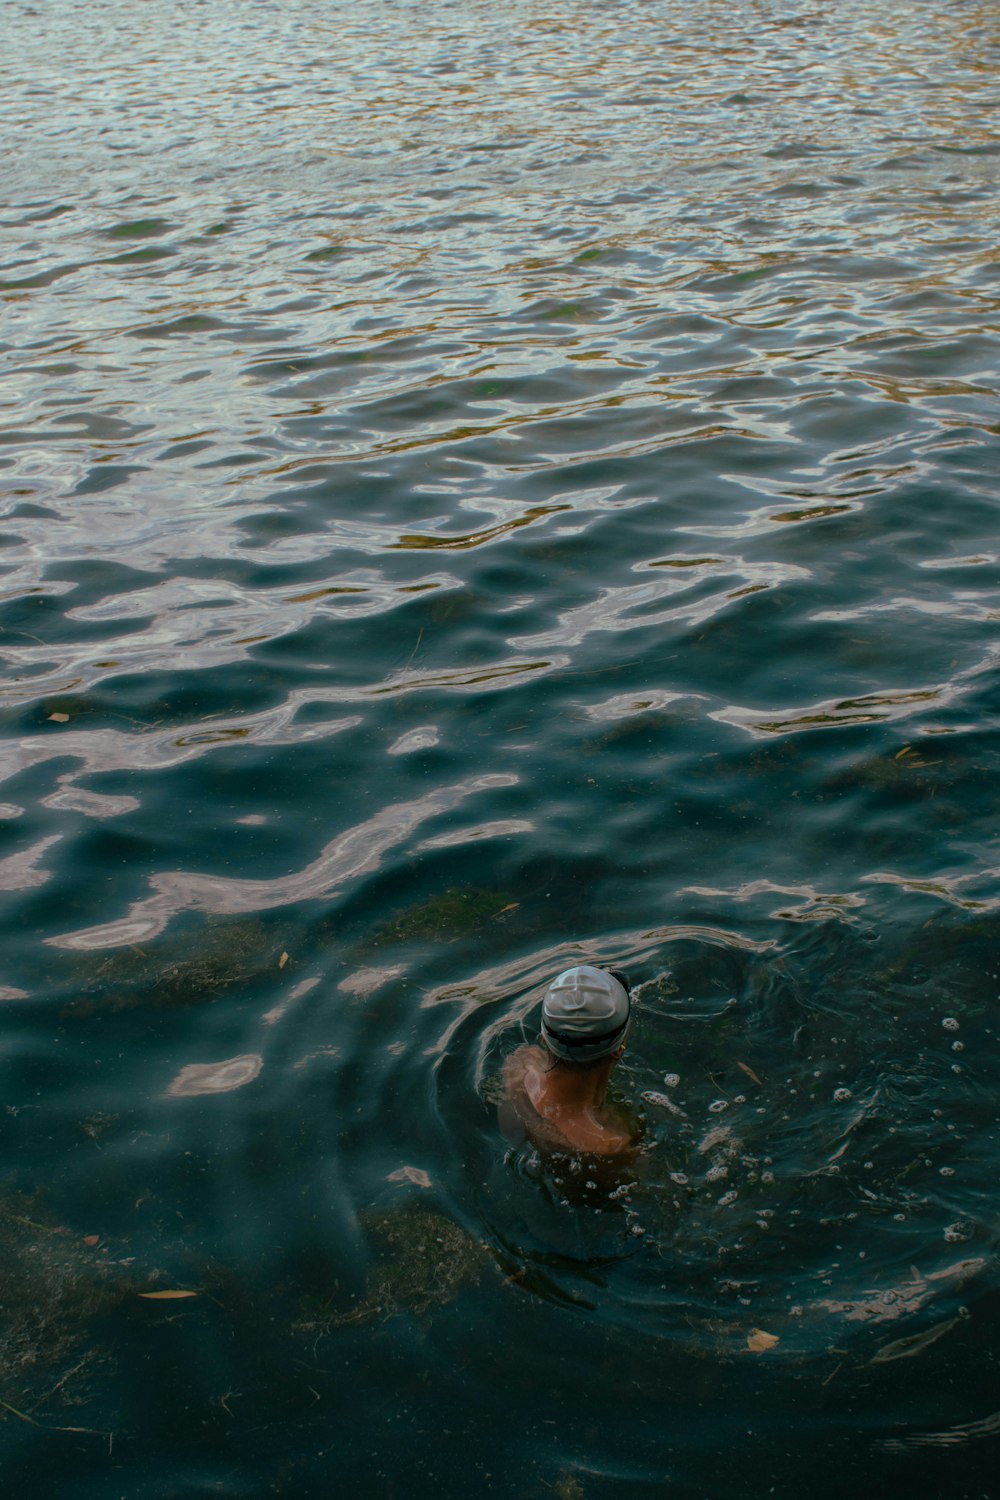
517, 1064
518, 1118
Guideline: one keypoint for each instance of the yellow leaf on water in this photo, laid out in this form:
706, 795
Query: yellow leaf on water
59, 718
282, 961
164, 1296
758, 1340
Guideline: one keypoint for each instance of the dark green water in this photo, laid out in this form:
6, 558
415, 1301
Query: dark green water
484, 487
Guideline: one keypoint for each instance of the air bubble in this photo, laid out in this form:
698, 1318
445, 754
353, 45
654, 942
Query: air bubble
958, 1046
717, 1106
946, 1171
899, 1218
716, 1173
679, 1177
841, 1095
661, 1100
949, 1023
959, 1232
727, 1199
671, 1080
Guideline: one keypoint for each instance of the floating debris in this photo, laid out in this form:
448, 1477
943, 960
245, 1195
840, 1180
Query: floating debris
888, 1304
410, 1174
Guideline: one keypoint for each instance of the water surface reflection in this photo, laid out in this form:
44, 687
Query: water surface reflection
479, 492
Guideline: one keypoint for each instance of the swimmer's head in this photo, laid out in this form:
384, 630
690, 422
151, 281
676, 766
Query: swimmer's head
585, 1014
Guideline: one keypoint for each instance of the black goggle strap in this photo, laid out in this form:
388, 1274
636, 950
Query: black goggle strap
584, 1041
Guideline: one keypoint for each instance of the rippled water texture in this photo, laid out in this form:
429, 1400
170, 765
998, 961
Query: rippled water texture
483, 487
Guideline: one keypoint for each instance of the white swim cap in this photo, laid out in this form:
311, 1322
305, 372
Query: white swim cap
585, 1014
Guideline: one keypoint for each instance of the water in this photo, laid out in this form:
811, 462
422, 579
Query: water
482, 489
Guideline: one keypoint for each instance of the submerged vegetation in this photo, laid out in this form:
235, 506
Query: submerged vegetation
451, 914
54, 1285
425, 1261
225, 956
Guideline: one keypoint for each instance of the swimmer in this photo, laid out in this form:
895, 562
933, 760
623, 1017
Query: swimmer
554, 1093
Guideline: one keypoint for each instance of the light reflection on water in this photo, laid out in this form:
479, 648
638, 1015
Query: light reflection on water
484, 490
